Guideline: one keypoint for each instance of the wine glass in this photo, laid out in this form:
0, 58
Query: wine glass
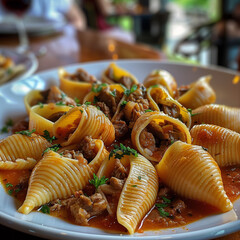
18, 8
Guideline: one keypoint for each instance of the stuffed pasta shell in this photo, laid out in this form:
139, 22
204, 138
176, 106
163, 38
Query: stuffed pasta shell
192, 173
42, 117
220, 115
83, 121
59, 176
52, 95
160, 100
106, 98
134, 180
154, 132
199, 93
115, 74
222, 143
21, 152
163, 78
76, 85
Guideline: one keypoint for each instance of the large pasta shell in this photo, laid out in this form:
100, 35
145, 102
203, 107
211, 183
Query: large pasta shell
222, 143
220, 115
73, 89
42, 117
80, 122
113, 95
32, 98
117, 73
192, 173
199, 94
59, 177
139, 192
154, 153
163, 78
160, 100
21, 152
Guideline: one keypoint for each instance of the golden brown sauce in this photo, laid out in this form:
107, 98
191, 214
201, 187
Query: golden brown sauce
195, 210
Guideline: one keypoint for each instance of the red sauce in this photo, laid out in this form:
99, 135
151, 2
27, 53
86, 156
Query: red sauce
195, 210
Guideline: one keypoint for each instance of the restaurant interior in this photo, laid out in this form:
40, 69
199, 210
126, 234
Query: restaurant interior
48, 34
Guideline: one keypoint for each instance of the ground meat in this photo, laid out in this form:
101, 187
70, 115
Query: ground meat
119, 170
121, 128
114, 187
104, 108
110, 100
55, 95
21, 125
182, 90
82, 207
147, 140
126, 81
82, 76
87, 147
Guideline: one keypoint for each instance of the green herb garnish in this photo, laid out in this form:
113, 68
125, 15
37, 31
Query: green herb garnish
121, 150
48, 137
113, 93
60, 103
40, 104
192, 114
76, 100
148, 110
127, 92
160, 207
98, 88
204, 148
134, 185
96, 182
139, 178
8, 185
54, 148
8, 124
45, 209
123, 103
87, 103
26, 132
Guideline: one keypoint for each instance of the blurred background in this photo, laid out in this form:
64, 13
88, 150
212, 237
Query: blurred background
198, 31
201, 31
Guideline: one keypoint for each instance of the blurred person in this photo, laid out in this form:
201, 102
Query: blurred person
57, 10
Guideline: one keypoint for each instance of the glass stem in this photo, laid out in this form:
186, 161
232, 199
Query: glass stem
22, 34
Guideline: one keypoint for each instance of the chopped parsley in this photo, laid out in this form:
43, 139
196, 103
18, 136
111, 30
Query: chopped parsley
96, 182
139, 178
127, 92
134, 185
76, 100
123, 103
98, 88
48, 137
45, 209
26, 132
54, 148
192, 114
8, 124
148, 110
113, 93
121, 150
87, 103
60, 103
205, 149
160, 207
40, 104
95, 100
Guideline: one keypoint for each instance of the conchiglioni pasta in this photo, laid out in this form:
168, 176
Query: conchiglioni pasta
154, 132
139, 191
21, 152
191, 172
220, 115
119, 155
58, 177
164, 78
222, 143
200, 93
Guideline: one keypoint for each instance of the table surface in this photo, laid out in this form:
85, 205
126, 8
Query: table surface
71, 47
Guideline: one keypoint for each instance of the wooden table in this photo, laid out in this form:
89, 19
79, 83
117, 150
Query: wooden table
72, 47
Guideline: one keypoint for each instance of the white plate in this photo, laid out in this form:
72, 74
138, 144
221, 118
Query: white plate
28, 60
43, 225
33, 25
